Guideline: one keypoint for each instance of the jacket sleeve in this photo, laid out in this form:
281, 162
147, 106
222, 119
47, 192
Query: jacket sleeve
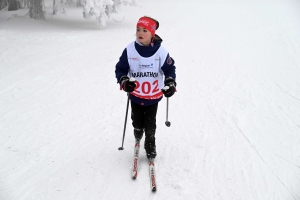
122, 67
169, 68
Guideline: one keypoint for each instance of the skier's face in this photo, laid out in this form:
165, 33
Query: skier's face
143, 36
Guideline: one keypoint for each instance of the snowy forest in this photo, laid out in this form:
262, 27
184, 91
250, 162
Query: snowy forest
98, 9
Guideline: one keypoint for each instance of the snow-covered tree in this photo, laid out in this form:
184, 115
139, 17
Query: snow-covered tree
62, 4
24, 3
3, 4
101, 9
13, 5
36, 9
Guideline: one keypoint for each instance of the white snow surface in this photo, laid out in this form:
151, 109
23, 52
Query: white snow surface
235, 119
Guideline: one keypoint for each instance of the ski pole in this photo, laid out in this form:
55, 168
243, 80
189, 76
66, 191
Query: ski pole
121, 148
168, 124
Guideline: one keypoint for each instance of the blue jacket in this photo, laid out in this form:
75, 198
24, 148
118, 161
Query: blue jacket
122, 67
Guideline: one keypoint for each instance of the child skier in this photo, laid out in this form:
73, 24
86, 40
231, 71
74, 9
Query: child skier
152, 68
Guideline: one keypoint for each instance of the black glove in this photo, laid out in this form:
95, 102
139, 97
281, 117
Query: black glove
127, 85
171, 89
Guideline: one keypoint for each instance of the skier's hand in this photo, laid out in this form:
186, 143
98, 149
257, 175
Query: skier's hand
170, 87
127, 84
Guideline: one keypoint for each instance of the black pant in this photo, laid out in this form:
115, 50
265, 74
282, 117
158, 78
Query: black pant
144, 118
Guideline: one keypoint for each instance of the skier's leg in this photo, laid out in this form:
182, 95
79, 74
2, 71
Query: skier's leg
150, 129
137, 116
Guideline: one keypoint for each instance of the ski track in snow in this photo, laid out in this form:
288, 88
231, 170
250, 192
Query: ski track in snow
235, 120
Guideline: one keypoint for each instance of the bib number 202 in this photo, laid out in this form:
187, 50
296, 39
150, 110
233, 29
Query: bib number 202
146, 87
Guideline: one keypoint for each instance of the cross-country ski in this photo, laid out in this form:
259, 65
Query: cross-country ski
134, 170
135, 167
152, 176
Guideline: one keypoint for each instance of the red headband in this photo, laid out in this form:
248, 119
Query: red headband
148, 24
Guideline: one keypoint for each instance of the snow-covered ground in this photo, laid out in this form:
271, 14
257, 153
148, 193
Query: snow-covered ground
235, 130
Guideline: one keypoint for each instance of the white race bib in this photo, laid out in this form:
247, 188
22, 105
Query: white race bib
147, 72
